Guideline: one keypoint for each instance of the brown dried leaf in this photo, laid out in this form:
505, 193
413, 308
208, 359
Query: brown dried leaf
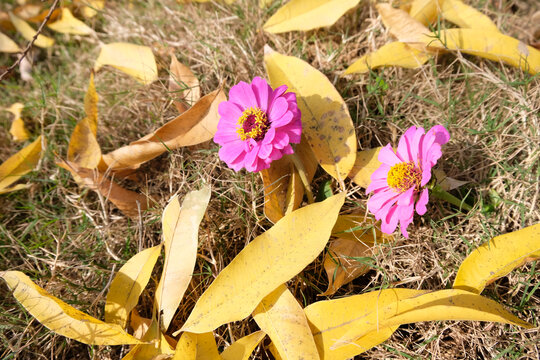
183, 85
196, 125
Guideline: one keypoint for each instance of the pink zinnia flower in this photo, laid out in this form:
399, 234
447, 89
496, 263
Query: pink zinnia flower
400, 181
257, 125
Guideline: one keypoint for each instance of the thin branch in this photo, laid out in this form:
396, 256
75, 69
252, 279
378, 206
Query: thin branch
31, 43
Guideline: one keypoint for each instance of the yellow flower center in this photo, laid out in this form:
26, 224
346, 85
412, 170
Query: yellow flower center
403, 176
253, 124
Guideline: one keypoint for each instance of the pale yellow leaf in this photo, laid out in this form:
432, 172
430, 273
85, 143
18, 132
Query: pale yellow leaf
83, 148
128, 284
14, 188
28, 32
186, 348
28, 11
20, 164
138, 324
280, 316
196, 125
391, 54
360, 227
331, 319
366, 163
242, 348
61, 318
268, 261
283, 189
68, 24
400, 24
497, 257
180, 236
129, 202
7, 45
425, 11
466, 16
447, 183
207, 347
155, 344
90, 8
306, 15
491, 45
17, 129
326, 122
135, 60
448, 304
183, 85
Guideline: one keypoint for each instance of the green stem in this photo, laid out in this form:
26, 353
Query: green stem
299, 165
438, 192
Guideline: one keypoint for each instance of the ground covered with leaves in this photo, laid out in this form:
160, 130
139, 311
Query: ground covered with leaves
71, 241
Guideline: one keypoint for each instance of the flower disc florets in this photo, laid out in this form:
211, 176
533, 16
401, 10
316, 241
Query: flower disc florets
398, 185
257, 125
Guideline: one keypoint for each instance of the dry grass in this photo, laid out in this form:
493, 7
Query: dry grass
70, 242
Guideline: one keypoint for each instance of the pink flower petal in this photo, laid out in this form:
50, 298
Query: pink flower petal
442, 136
376, 185
261, 89
281, 140
389, 223
381, 198
229, 111
406, 198
242, 94
380, 173
387, 156
404, 149
422, 201
278, 108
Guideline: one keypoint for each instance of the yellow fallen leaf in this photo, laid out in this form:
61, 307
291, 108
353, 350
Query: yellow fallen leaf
139, 324
90, 8
487, 44
83, 148
61, 318
180, 236
155, 344
135, 60
17, 129
7, 45
28, 11
497, 257
242, 348
207, 347
283, 189
342, 265
326, 122
331, 319
196, 125
366, 163
186, 348
128, 284
280, 316
183, 85
448, 304
270, 260
129, 202
466, 16
425, 11
68, 24
28, 33
400, 24
19, 164
306, 15
391, 54
359, 227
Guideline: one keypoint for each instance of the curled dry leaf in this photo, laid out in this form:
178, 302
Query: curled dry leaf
497, 257
17, 129
18, 165
327, 124
196, 125
128, 284
447, 183
425, 11
270, 260
280, 316
449, 304
180, 237
61, 318
400, 24
129, 202
28, 32
28, 11
156, 344
7, 45
306, 15
183, 85
68, 24
491, 45
242, 348
466, 16
283, 189
135, 60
